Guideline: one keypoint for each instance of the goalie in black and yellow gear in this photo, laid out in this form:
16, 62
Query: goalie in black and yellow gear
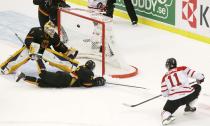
38, 43
83, 76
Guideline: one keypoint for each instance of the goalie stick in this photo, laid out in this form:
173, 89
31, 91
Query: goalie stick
19, 38
134, 105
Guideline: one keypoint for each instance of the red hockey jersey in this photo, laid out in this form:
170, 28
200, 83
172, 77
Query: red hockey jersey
175, 83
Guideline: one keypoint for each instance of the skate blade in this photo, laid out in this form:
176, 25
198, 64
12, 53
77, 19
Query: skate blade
167, 122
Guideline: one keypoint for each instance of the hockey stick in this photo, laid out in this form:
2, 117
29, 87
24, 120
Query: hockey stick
134, 105
19, 38
124, 85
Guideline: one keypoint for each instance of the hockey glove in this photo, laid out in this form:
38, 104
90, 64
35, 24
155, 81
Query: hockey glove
99, 81
165, 94
64, 4
200, 81
101, 7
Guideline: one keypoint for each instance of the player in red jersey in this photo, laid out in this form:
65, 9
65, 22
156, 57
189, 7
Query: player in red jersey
176, 86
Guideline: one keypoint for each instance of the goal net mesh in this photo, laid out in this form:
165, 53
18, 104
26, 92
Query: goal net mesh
91, 33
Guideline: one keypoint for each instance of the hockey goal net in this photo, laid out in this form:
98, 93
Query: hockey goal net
90, 32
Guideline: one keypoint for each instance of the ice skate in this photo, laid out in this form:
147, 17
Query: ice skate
135, 23
189, 109
168, 120
19, 76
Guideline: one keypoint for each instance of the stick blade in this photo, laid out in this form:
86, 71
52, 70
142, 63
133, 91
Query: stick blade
127, 105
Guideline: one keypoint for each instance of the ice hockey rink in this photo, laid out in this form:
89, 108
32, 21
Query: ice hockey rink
147, 48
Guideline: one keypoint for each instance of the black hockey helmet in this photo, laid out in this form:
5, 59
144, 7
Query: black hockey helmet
171, 63
90, 64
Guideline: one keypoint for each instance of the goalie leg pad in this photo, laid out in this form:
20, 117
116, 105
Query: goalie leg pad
19, 58
54, 55
59, 60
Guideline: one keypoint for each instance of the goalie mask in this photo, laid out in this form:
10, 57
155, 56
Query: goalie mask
49, 28
90, 64
171, 63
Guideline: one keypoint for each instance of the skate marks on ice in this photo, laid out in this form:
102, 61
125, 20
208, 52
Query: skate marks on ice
207, 95
13, 22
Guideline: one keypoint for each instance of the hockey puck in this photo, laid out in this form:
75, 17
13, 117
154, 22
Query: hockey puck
78, 26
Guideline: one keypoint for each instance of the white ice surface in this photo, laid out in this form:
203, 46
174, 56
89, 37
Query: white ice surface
147, 48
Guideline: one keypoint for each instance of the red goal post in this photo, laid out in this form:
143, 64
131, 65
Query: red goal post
78, 12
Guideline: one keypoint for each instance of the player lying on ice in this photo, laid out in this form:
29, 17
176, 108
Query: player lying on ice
38, 43
83, 76
176, 86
